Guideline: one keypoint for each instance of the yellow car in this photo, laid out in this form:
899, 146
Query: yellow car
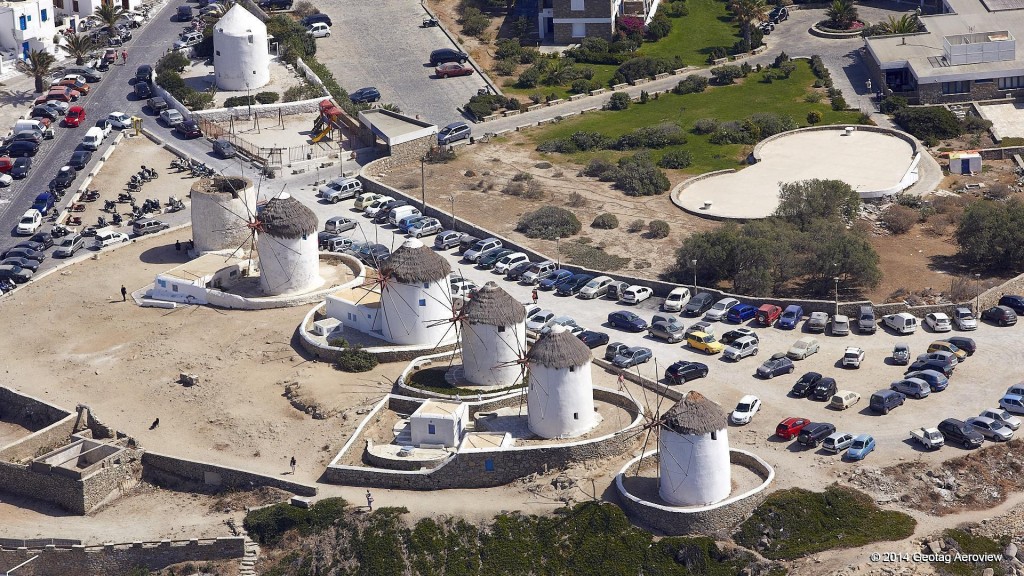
943, 346
365, 199
705, 342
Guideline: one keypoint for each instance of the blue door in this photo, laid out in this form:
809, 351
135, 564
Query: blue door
965, 166
24, 50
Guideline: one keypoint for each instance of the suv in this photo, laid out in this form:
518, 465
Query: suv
866, 320
148, 226
145, 74
671, 333
442, 55
698, 304
885, 400
778, 14
1016, 303
340, 188
364, 95
823, 389
964, 319
777, 364
453, 133
746, 346
960, 432
447, 239
474, 253
814, 433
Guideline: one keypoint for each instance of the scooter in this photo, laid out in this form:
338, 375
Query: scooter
429, 23
109, 206
101, 222
60, 231
483, 91
126, 197
174, 204
116, 218
90, 195
151, 172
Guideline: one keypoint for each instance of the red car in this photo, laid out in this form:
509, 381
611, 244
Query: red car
790, 427
6, 164
75, 117
767, 314
453, 69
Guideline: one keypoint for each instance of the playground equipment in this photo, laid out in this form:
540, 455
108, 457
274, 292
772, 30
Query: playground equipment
329, 119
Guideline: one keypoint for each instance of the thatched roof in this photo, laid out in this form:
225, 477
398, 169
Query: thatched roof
493, 306
413, 262
286, 217
559, 349
695, 415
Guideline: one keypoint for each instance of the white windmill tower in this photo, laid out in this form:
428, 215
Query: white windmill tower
414, 292
242, 59
287, 246
560, 399
493, 337
693, 450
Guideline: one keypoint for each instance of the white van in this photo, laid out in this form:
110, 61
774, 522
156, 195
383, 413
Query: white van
401, 212
106, 238
93, 138
23, 125
676, 299
902, 322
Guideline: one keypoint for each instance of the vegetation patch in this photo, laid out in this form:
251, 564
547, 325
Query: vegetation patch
355, 360
268, 525
433, 380
794, 523
964, 543
549, 222
591, 257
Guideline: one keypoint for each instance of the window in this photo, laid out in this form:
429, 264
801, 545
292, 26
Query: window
984, 81
174, 287
1011, 82
425, 284
572, 368
501, 329
714, 435
489, 465
962, 87
576, 5
233, 273
423, 301
162, 283
575, 415
74, 5
218, 52
58, 4
579, 29
42, 15
431, 429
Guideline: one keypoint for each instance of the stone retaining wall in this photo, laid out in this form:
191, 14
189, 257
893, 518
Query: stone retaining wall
118, 558
65, 492
166, 470
57, 424
719, 518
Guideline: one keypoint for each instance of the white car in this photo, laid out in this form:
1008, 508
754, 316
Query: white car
745, 410
73, 77
803, 348
109, 239
840, 325
30, 222
676, 299
460, 287
509, 261
853, 357
319, 30
567, 322
374, 206
539, 320
938, 322
119, 120
1000, 415
992, 429
636, 294
5, 180
171, 117
964, 319
720, 309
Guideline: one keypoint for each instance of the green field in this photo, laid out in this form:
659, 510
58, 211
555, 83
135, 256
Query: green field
708, 24
602, 74
724, 103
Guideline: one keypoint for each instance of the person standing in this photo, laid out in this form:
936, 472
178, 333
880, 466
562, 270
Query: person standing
369, 500
124, 293
124, 56
534, 295
177, 245
293, 465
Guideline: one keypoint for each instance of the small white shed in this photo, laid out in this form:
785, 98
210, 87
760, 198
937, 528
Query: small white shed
965, 163
439, 423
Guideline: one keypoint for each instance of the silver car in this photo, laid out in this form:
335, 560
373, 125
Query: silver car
1000, 415
991, 429
425, 227
69, 245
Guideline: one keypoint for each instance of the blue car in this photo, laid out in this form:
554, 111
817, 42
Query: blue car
937, 381
861, 447
790, 317
573, 285
626, 320
555, 278
741, 313
405, 223
44, 203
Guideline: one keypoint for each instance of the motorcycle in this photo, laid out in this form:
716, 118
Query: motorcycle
90, 195
101, 222
151, 173
483, 91
109, 206
136, 179
180, 164
429, 23
116, 218
60, 231
125, 197
174, 204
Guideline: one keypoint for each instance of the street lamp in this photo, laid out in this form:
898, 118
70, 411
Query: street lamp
451, 197
248, 99
977, 293
558, 254
694, 262
423, 183
836, 278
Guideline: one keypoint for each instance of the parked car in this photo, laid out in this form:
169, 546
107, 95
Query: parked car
721, 309
866, 320
1012, 403
1001, 315
704, 342
449, 69
745, 410
142, 90
30, 222
224, 148
964, 319
613, 350
90, 74
683, 371
508, 261
445, 239
365, 95
593, 339
991, 429
699, 304
767, 314
539, 320
671, 333
616, 289
741, 313
965, 344
189, 129
626, 320
805, 384
777, 364
1013, 302
453, 133
746, 346
43, 111
491, 257
840, 325
157, 104
80, 159
949, 347
15, 273
837, 442
702, 326
478, 249
901, 322
317, 17
817, 322
632, 357
64, 179
43, 239
75, 117
803, 348
930, 438
737, 333
596, 288
171, 117
516, 272
26, 263
442, 55
901, 354
937, 381
938, 322
555, 277
21, 148
364, 200
636, 294
790, 317
20, 168
853, 357
27, 253
913, 387
844, 399
778, 14
538, 272
573, 286
676, 299
884, 401
824, 389
814, 433
791, 427
962, 433
425, 227
338, 224
1000, 415
940, 356
319, 30
119, 120
567, 322
69, 245
861, 447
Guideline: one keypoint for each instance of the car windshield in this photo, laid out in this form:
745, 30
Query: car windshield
27, 220
858, 444
720, 305
800, 345
852, 354
743, 407
789, 314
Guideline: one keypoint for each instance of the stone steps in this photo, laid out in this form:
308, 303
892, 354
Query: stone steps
247, 567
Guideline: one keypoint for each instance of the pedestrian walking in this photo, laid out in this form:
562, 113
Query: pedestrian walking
534, 295
177, 245
293, 465
124, 56
369, 500
124, 293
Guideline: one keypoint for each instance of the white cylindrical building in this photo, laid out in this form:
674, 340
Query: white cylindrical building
287, 245
241, 54
560, 399
222, 209
493, 338
693, 450
415, 301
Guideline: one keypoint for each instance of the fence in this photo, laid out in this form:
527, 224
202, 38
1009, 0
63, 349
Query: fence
272, 157
38, 543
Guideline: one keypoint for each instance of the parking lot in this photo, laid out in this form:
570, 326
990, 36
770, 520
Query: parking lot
381, 44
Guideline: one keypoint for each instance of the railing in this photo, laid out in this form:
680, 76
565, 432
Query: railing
272, 157
38, 543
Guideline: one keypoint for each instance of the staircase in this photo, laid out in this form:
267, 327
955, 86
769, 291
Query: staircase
252, 553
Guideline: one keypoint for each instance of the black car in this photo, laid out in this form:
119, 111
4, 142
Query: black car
516, 272
80, 159
699, 304
224, 148
962, 433
945, 369
142, 90
779, 14
27, 244
20, 168
365, 95
805, 384
443, 55
189, 129
1001, 315
43, 240
25, 253
20, 262
374, 254
21, 148
316, 19
64, 178
184, 13
683, 371
28, 136
824, 389
815, 433
593, 339
16, 274
157, 104
42, 111
734, 335
1013, 302
89, 74
964, 343
573, 286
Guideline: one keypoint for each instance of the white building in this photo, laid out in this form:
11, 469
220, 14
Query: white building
287, 244
222, 209
693, 450
560, 399
84, 8
493, 338
439, 423
27, 26
191, 282
241, 58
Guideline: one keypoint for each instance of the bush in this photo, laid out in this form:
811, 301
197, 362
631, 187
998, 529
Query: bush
717, 53
839, 103
583, 86
549, 222
356, 360
239, 101
726, 74
676, 159
522, 177
619, 101
676, 9
268, 525
595, 50
601, 169
705, 126
304, 91
658, 229
892, 104
646, 67
929, 122
474, 22
813, 117
505, 67
659, 27
508, 49
899, 219
659, 136
691, 84
577, 200
267, 97
813, 97
529, 78
639, 176
174, 61
605, 221
635, 226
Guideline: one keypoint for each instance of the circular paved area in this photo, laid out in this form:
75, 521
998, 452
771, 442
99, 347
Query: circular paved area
868, 161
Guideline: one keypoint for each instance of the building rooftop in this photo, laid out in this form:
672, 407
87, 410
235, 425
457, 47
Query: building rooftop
204, 266
394, 128
485, 440
437, 408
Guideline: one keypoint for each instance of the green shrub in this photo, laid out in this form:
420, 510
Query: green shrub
646, 67
595, 50
304, 91
928, 122
717, 53
813, 97
356, 360
658, 229
474, 22
839, 103
619, 101
549, 222
635, 226
174, 61
505, 67
337, 342
726, 74
676, 159
239, 101
592, 257
267, 97
677, 9
891, 104
522, 177
813, 117
583, 86
268, 525
705, 126
691, 84
660, 136
605, 221
601, 169
659, 27
638, 176
508, 49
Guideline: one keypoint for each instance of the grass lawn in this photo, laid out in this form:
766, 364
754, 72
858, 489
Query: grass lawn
602, 74
708, 24
722, 102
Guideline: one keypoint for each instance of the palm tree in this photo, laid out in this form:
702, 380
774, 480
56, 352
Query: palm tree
38, 65
747, 12
79, 46
906, 24
109, 13
841, 14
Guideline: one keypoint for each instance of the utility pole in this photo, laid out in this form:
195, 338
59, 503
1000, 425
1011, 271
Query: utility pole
837, 293
423, 184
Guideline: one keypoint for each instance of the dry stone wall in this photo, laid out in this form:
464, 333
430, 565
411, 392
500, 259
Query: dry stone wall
111, 559
166, 470
28, 411
28, 447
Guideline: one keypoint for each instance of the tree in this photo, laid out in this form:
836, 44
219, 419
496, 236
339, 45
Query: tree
801, 203
906, 24
39, 66
109, 13
833, 251
991, 234
715, 253
747, 12
841, 14
79, 46
928, 122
